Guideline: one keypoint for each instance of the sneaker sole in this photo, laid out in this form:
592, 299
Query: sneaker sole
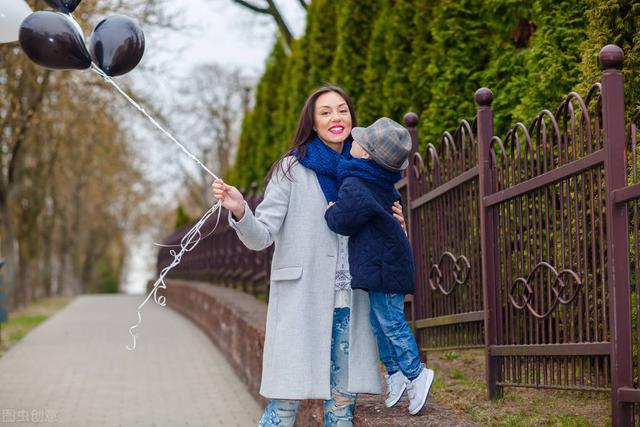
430, 377
389, 405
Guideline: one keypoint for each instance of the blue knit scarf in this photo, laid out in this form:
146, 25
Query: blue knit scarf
324, 162
369, 171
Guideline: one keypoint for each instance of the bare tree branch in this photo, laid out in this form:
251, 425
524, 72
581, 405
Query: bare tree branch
272, 9
20, 134
303, 4
71, 186
252, 7
284, 29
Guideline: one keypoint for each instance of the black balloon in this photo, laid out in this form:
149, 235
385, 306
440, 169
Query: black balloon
52, 40
66, 6
117, 45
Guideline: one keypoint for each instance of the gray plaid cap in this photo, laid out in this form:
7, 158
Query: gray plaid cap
387, 142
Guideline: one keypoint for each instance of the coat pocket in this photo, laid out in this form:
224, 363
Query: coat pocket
287, 273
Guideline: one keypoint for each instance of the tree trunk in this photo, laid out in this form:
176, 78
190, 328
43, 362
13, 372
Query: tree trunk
23, 280
8, 252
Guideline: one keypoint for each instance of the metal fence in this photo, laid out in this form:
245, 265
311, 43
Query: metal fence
544, 210
444, 227
526, 245
221, 259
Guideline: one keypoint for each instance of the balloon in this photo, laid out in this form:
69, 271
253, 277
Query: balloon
117, 45
12, 13
66, 6
52, 40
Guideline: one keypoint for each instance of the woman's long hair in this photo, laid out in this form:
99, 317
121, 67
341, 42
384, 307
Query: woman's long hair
305, 131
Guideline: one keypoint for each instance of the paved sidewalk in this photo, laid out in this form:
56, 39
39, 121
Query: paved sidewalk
74, 370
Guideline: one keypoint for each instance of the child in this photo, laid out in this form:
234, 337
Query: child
380, 258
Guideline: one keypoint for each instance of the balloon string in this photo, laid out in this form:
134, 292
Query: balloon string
177, 246
190, 240
106, 77
109, 80
187, 243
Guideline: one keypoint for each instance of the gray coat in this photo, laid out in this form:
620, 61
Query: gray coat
297, 350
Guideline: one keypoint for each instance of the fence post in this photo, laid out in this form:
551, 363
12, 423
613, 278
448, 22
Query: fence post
488, 237
611, 58
411, 121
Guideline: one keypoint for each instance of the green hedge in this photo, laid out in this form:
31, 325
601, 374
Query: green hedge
429, 56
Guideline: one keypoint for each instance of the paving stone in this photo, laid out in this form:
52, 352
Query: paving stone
74, 370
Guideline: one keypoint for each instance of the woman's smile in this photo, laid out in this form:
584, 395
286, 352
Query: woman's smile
336, 129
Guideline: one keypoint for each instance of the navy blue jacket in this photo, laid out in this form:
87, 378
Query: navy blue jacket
380, 257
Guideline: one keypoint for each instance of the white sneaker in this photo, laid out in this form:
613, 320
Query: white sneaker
418, 390
396, 384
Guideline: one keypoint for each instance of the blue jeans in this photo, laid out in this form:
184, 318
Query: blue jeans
396, 345
338, 411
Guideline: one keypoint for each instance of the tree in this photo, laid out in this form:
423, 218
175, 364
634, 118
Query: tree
353, 33
431, 56
370, 105
322, 42
616, 22
215, 100
182, 218
272, 10
293, 92
420, 82
551, 67
256, 151
456, 58
510, 29
396, 91
69, 186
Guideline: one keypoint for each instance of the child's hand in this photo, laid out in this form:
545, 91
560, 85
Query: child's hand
330, 204
397, 212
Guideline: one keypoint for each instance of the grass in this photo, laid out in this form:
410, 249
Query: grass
458, 374
450, 355
22, 325
460, 386
23, 320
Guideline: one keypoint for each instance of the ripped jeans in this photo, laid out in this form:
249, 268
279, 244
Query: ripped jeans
338, 411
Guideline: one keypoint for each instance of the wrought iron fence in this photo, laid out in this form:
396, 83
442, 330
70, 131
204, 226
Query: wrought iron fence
630, 196
546, 204
444, 229
525, 244
224, 259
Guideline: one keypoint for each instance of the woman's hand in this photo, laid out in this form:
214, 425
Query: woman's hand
231, 198
397, 212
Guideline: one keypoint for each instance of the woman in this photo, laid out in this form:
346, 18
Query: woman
318, 341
